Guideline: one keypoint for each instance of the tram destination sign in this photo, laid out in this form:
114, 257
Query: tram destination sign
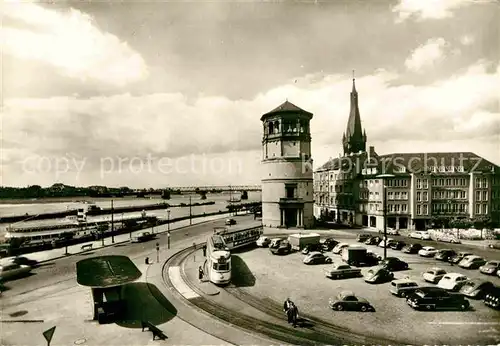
221, 260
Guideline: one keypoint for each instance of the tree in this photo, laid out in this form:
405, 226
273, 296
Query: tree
165, 194
244, 195
482, 222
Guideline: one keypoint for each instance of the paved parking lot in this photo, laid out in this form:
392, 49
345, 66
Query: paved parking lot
279, 277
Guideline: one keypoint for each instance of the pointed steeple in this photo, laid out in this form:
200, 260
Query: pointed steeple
355, 139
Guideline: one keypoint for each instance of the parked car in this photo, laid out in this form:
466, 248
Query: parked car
342, 271
12, 270
431, 298
338, 248
452, 281
283, 248
490, 267
434, 275
392, 231
387, 243
412, 248
494, 245
263, 241
21, 260
312, 247
230, 222
398, 245
472, 262
394, 264
372, 258
458, 257
378, 274
403, 287
316, 257
444, 254
373, 240
476, 288
492, 298
448, 238
424, 235
347, 300
275, 242
329, 244
363, 237
427, 251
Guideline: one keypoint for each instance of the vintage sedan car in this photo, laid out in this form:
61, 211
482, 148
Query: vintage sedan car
476, 288
448, 238
412, 248
492, 298
387, 243
403, 287
316, 257
471, 262
230, 222
347, 300
458, 257
432, 298
363, 237
283, 248
494, 245
378, 274
312, 247
342, 271
394, 264
12, 270
444, 254
263, 241
434, 275
373, 240
21, 260
329, 244
420, 235
452, 281
338, 248
490, 267
427, 251
275, 242
392, 231
371, 258
398, 245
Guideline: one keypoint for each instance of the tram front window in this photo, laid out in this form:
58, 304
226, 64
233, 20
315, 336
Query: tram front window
221, 267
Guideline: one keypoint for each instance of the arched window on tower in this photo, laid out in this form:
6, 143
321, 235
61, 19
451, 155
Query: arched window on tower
276, 126
301, 126
271, 128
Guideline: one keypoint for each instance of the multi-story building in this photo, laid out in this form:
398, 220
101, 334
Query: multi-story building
287, 182
418, 186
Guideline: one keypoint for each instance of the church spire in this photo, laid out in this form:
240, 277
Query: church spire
355, 139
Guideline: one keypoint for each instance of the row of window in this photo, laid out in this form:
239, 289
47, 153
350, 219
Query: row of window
450, 194
450, 207
422, 209
422, 197
273, 127
397, 182
481, 183
422, 183
450, 182
483, 194
481, 208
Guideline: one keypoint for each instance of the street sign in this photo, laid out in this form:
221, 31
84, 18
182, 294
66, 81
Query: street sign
48, 334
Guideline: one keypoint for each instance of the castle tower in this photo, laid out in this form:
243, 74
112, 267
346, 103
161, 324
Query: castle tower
354, 139
287, 182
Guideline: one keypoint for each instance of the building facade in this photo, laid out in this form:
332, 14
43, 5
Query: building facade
419, 187
287, 181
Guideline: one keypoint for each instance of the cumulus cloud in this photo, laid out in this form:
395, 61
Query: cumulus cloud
427, 54
428, 9
217, 131
70, 41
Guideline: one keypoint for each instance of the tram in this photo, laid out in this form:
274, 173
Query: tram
218, 261
236, 238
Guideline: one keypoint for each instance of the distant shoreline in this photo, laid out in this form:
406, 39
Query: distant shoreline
71, 199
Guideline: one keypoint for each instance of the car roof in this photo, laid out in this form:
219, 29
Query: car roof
435, 269
403, 281
473, 257
346, 293
455, 275
493, 262
313, 253
428, 248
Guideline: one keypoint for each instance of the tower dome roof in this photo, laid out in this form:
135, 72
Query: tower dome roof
287, 107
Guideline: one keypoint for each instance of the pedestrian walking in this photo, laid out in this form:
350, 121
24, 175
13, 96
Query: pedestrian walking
286, 304
205, 250
292, 314
200, 273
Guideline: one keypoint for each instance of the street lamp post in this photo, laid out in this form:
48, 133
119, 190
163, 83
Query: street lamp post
168, 229
383, 177
112, 224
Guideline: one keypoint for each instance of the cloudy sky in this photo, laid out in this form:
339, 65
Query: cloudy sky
167, 94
